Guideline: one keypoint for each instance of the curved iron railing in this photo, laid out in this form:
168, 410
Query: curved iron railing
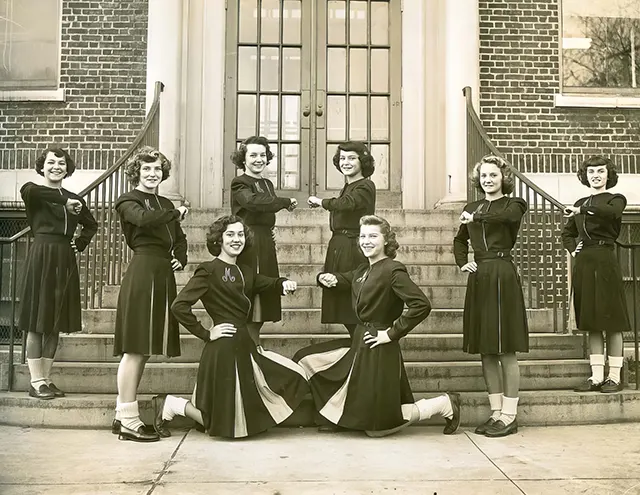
538, 254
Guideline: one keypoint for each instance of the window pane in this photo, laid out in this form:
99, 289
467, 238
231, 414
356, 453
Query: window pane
270, 21
269, 116
380, 71
358, 72
336, 22
248, 21
358, 116
334, 179
247, 61
290, 160
336, 69
291, 69
379, 118
336, 118
358, 23
269, 69
290, 117
291, 18
271, 172
380, 153
246, 116
379, 23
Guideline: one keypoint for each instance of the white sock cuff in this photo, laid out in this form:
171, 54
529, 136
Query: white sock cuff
47, 364
128, 409
35, 369
510, 405
616, 361
176, 404
596, 359
495, 402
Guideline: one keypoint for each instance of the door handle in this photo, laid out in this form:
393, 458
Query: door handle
319, 110
307, 111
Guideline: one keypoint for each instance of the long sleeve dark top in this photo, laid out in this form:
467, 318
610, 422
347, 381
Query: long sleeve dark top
600, 219
150, 222
379, 293
255, 201
226, 291
355, 201
46, 214
494, 228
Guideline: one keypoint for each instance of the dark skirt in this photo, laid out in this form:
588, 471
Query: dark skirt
357, 387
495, 317
343, 255
50, 295
598, 291
144, 323
243, 390
262, 258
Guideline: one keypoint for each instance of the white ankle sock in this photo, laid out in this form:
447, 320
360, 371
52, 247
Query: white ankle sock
130, 415
495, 403
173, 405
36, 372
118, 408
509, 409
597, 368
436, 405
615, 365
47, 364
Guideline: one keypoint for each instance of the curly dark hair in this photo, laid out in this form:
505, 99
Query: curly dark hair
391, 244
238, 157
367, 161
146, 154
59, 152
508, 181
218, 227
598, 161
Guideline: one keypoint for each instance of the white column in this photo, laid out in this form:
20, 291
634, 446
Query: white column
462, 68
164, 63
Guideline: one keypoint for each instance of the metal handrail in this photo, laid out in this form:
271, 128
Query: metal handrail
634, 279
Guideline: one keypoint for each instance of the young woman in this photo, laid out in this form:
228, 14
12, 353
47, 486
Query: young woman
590, 233
50, 298
356, 199
495, 319
144, 324
254, 200
241, 389
361, 383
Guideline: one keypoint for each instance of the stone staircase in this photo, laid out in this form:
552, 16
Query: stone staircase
435, 363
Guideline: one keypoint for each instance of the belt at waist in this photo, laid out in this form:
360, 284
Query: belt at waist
376, 324
597, 242
57, 238
348, 233
492, 255
152, 251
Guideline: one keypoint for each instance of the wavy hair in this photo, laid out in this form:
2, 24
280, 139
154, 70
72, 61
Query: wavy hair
508, 181
367, 161
60, 153
238, 157
391, 244
598, 161
146, 154
218, 227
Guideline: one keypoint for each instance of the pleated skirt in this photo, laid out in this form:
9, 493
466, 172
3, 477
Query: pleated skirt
50, 293
495, 317
354, 386
262, 258
144, 322
598, 291
343, 255
243, 390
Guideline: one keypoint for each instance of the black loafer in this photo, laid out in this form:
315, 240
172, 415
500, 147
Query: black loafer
499, 429
56, 391
611, 387
588, 386
159, 424
115, 427
482, 429
138, 435
453, 423
43, 392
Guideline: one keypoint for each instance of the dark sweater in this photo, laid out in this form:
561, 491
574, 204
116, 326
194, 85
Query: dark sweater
255, 201
355, 201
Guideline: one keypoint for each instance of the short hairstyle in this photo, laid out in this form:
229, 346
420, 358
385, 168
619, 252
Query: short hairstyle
391, 244
598, 161
146, 154
218, 227
508, 181
238, 157
367, 161
59, 152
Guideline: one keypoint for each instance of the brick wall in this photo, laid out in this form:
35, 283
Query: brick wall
103, 73
520, 73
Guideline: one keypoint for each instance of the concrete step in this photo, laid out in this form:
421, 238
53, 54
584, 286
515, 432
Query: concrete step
310, 296
437, 347
296, 321
536, 408
180, 378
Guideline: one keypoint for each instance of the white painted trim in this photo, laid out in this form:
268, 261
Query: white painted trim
596, 101
33, 95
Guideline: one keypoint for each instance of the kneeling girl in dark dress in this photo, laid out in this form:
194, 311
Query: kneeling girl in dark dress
241, 389
361, 383
590, 233
144, 324
50, 297
495, 319
356, 199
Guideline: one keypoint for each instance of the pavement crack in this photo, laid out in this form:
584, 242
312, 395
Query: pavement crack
167, 464
492, 462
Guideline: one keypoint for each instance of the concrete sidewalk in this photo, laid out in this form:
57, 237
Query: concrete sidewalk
594, 460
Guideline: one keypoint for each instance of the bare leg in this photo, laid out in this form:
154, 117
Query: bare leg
49, 345
34, 345
510, 374
615, 343
596, 343
254, 331
191, 411
129, 373
491, 373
